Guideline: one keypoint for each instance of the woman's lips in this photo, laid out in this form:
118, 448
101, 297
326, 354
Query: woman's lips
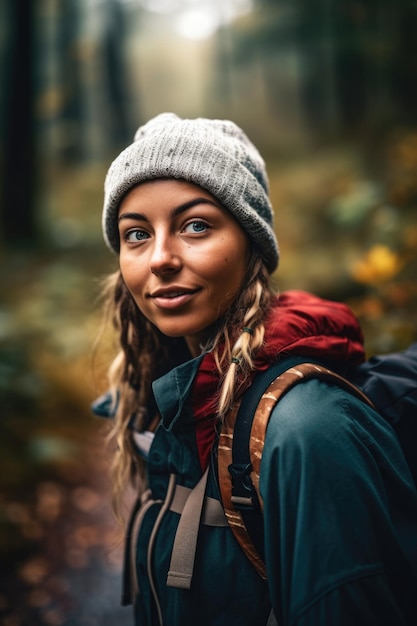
171, 299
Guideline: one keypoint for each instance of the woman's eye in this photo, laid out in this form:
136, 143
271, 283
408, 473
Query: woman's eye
197, 226
136, 235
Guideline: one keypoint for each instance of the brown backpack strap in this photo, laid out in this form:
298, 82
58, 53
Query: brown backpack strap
282, 383
233, 516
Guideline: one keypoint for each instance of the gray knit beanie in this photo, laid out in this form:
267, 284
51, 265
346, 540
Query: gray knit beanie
214, 154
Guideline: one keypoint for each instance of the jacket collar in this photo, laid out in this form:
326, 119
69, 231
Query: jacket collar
172, 392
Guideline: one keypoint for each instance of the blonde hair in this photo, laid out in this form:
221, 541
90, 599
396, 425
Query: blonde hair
145, 354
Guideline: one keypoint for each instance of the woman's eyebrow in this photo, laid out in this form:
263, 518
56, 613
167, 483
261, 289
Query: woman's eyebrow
133, 216
194, 202
173, 213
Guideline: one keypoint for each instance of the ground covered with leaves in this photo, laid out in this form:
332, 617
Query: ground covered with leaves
60, 545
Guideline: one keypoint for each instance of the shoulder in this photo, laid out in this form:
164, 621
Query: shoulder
106, 405
323, 422
334, 485
313, 406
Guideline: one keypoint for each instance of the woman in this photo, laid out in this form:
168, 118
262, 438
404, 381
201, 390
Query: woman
187, 211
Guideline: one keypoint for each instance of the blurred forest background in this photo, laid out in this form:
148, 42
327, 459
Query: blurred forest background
327, 89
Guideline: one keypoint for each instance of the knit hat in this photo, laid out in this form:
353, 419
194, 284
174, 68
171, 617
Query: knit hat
214, 154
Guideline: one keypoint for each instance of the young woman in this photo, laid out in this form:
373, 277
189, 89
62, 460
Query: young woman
187, 212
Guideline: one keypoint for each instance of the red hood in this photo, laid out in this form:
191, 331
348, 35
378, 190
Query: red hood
301, 323
298, 323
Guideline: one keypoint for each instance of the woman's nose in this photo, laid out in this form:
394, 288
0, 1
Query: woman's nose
165, 257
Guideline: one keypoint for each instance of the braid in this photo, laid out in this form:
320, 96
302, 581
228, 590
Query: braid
145, 355
246, 318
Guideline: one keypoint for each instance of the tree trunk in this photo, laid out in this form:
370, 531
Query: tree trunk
17, 209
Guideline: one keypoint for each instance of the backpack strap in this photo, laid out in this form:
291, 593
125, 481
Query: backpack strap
241, 444
183, 552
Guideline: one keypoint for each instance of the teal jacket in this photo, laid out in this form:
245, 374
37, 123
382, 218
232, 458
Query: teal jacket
340, 520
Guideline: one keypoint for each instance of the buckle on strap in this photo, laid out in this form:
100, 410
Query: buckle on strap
244, 496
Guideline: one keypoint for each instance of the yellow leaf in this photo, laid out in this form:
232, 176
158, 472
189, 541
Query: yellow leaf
379, 264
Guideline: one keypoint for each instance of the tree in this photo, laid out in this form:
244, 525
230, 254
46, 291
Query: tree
17, 208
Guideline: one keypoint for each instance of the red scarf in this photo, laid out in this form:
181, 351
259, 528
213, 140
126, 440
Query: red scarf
298, 323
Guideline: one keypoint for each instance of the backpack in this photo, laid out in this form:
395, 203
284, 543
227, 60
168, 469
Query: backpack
387, 383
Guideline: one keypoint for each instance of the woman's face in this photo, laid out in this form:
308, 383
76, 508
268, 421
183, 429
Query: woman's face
183, 256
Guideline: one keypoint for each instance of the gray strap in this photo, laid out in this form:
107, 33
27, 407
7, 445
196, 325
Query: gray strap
185, 543
213, 512
164, 508
134, 585
272, 620
180, 498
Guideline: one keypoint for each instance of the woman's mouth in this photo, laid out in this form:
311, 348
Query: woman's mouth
172, 298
